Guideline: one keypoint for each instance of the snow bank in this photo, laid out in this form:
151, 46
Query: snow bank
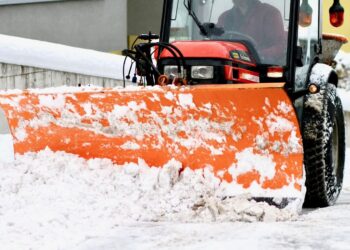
54, 199
343, 69
345, 98
346, 180
343, 58
21, 51
7, 150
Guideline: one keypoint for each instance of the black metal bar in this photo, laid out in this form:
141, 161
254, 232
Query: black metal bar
166, 20
292, 44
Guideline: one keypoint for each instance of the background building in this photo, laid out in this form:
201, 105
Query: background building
102, 25
144, 16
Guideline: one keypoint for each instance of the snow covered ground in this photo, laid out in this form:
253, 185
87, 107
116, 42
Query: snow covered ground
60, 201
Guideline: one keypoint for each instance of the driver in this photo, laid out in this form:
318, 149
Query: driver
262, 22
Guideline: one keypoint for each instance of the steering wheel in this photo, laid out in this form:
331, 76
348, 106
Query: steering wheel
247, 40
235, 35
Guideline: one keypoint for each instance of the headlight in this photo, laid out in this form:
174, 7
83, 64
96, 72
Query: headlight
202, 72
172, 71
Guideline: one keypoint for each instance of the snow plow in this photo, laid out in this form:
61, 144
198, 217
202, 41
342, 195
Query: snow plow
198, 126
254, 102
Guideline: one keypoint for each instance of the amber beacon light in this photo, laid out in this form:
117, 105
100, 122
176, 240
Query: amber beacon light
305, 14
336, 14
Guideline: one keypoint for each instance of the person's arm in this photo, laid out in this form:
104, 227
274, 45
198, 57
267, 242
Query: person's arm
221, 20
275, 36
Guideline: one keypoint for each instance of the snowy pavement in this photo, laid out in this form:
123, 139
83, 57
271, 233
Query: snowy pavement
325, 228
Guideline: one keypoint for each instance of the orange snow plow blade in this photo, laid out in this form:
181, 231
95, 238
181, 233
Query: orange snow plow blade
248, 135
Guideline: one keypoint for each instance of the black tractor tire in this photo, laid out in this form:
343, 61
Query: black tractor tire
324, 147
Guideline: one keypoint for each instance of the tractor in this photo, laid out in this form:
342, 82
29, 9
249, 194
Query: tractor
269, 44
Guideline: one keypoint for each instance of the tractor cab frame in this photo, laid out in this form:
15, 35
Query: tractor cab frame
300, 56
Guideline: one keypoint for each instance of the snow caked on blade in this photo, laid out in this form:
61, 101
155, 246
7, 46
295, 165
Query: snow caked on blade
249, 139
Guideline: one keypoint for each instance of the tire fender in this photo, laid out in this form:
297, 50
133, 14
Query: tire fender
321, 111
321, 74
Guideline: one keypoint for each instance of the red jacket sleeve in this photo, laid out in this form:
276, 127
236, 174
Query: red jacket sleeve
275, 36
221, 20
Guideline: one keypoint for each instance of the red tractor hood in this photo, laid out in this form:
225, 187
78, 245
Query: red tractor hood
208, 49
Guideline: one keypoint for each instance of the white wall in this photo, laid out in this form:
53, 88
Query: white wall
93, 24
